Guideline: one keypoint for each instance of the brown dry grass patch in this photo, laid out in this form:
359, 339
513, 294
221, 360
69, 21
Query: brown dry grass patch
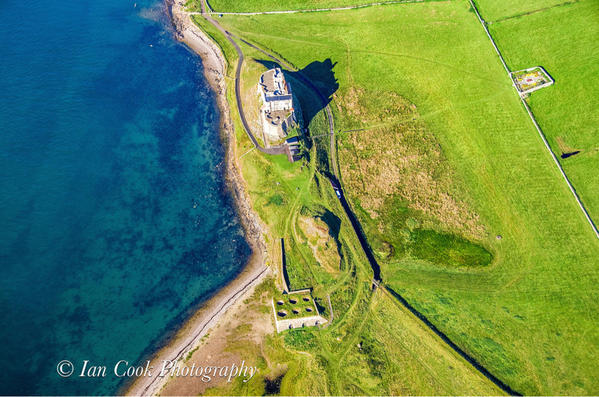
398, 158
323, 246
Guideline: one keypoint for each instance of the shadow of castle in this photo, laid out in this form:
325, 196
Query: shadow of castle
313, 86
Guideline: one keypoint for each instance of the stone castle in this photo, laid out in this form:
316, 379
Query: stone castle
277, 111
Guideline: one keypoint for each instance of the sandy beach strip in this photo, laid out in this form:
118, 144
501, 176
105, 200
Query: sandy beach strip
209, 315
192, 332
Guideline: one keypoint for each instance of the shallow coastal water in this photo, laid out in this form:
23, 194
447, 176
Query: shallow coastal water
115, 223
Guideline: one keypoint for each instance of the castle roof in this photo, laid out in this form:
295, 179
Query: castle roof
274, 85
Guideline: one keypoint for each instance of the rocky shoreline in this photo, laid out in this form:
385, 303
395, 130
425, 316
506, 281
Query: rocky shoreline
214, 70
191, 333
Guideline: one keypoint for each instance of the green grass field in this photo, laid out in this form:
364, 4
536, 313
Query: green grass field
278, 5
493, 10
373, 346
425, 76
564, 41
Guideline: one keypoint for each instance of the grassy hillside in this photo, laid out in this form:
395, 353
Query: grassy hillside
455, 153
564, 40
371, 336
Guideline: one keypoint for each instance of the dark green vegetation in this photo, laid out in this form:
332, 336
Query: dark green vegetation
449, 249
564, 40
442, 133
373, 346
398, 233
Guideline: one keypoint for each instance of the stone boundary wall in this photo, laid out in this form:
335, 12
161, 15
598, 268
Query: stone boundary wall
298, 322
524, 92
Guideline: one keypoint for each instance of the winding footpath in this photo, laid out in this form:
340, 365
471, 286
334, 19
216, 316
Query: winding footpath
279, 149
324, 101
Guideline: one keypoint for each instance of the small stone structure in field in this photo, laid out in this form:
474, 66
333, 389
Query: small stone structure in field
277, 112
296, 310
531, 79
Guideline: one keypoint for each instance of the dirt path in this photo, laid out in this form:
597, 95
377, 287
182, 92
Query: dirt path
279, 149
311, 85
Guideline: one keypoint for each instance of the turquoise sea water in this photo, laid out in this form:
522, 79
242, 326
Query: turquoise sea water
114, 221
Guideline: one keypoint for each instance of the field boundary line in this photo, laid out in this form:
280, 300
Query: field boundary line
534, 121
470, 359
527, 13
